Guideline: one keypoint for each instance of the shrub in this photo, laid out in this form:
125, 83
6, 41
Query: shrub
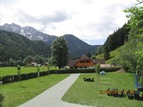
110, 69
97, 68
64, 71
14, 78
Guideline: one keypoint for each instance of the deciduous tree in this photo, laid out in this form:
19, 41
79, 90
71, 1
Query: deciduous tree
135, 16
59, 52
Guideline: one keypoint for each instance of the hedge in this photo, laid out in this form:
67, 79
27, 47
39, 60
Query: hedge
110, 69
67, 71
86, 70
14, 78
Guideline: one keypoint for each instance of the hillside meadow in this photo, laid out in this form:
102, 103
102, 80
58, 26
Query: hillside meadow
113, 54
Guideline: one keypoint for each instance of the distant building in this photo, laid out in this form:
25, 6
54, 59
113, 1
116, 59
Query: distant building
84, 62
34, 64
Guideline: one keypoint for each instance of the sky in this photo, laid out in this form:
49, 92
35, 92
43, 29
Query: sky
90, 20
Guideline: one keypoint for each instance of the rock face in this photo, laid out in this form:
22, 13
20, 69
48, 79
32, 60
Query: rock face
29, 32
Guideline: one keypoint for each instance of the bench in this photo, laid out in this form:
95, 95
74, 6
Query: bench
88, 79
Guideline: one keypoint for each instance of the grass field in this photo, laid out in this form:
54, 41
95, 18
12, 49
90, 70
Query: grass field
14, 94
113, 54
88, 93
13, 70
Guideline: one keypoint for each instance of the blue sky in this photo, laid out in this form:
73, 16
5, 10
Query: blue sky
90, 20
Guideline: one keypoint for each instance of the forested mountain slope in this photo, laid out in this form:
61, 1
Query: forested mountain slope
16, 46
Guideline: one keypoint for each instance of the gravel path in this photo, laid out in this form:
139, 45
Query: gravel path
52, 96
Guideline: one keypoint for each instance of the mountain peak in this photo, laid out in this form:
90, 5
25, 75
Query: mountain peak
12, 25
27, 31
68, 35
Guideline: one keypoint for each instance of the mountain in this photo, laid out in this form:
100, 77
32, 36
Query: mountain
76, 46
16, 46
29, 32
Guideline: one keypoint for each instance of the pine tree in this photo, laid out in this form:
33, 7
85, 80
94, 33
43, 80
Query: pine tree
106, 53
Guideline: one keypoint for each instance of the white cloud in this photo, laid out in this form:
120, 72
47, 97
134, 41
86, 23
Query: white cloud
89, 20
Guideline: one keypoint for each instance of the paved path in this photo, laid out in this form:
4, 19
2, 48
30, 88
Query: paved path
52, 96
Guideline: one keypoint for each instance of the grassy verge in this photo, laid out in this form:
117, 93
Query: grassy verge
88, 93
14, 94
13, 70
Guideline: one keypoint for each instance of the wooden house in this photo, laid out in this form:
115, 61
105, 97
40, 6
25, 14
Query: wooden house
84, 62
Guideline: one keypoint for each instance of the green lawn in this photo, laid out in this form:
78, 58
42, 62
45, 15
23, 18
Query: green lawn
13, 70
14, 94
88, 93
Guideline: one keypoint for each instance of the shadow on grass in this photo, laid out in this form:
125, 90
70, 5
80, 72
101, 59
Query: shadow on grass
1, 100
42, 81
22, 87
105, 84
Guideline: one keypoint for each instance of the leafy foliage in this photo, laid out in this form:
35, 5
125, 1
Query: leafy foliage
131, 55
106, 53
100, 50
97, 68
59, 52
134, 56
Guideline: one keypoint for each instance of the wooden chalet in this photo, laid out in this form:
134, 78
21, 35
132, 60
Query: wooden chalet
84, 62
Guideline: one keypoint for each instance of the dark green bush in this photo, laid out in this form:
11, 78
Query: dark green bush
72, 71
97, 68
110, 69
14, 78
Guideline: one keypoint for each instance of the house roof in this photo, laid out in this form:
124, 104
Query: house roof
71, 63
